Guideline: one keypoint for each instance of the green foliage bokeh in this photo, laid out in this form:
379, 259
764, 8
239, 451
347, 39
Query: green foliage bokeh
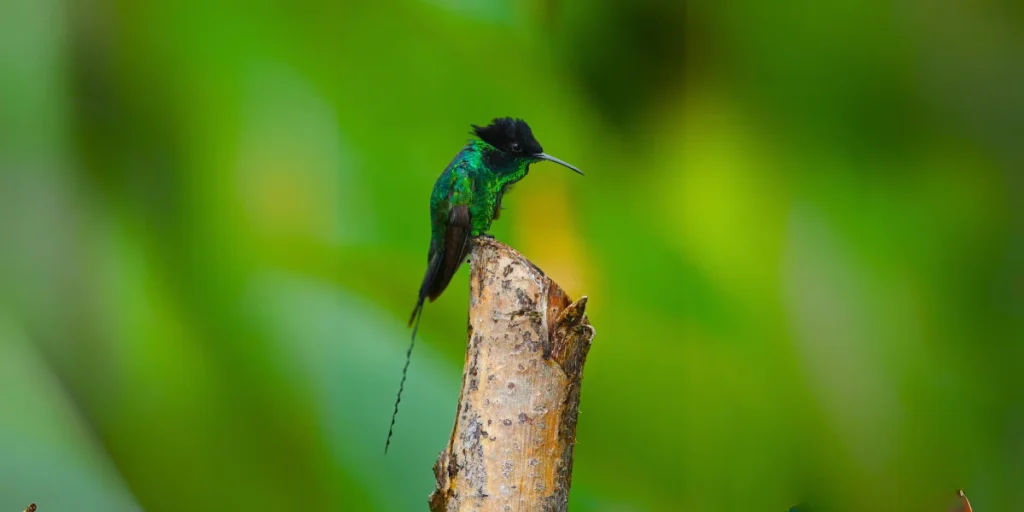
800, 231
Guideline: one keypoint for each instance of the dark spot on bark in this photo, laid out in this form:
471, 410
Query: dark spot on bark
523, 418
530, 342
488, 423
479, 283
487, 401
471, 463
521, 368
511, 385
473, 380
490, 377
507, 423
525, 302
507, 271
506, 285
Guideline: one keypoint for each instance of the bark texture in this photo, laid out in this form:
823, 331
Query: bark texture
515, 427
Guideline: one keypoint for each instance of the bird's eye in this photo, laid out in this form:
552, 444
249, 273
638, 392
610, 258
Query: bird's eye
514, 147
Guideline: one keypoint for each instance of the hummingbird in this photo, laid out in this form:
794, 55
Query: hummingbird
465, 201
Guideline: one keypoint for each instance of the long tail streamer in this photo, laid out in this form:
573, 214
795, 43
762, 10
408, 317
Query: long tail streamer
416, 314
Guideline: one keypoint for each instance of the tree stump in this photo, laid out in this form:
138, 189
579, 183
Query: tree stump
512, 444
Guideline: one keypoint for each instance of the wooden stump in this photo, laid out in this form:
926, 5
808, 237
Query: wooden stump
512, 444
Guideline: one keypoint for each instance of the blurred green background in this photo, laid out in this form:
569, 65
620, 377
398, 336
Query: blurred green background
801, 234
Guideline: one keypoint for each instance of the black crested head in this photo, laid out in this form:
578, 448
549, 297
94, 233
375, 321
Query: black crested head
509, 135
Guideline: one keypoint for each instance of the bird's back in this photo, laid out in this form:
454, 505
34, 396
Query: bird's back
455, 186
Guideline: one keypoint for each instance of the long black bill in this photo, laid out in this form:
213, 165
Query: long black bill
545, 156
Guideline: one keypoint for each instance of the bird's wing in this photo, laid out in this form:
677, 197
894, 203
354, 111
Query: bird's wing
453, 252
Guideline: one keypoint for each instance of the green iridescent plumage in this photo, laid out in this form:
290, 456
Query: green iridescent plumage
465, 201
469, 181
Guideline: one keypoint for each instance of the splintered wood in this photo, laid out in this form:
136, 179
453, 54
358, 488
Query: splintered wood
512, 444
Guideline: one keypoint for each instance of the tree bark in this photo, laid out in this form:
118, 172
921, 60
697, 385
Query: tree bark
515, 427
